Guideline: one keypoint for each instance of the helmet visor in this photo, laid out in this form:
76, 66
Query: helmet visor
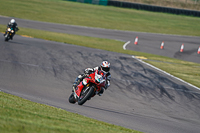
106, 69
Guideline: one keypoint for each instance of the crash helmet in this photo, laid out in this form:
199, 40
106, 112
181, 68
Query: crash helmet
12, 21
105, 66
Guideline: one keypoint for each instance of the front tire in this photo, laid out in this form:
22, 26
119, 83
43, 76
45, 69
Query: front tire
6, 38
85, 95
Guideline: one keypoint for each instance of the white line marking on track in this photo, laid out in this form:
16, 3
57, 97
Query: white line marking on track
165, 72
124, 46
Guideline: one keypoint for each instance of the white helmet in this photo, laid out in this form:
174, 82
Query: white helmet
105, 66
12, 21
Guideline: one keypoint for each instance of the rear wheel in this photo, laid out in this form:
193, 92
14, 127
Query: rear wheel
85, 95
72, 98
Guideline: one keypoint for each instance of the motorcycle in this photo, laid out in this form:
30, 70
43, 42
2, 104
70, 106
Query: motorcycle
9, 33
88, 88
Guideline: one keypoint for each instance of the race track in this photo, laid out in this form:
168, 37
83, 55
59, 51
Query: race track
148, 42
139, 97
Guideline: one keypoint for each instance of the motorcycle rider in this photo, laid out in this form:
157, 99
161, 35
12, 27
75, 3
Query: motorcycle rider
105, 67
12, 24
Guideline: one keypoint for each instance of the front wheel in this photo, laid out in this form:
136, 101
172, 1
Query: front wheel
6, 37
85, 94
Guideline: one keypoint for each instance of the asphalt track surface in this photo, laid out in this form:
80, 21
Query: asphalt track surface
139, 98
148, 42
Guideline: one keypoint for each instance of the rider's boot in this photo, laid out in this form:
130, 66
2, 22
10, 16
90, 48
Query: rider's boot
74, 85
77, 82
100, 92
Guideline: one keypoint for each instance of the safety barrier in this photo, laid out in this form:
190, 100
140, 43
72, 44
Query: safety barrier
154, 8
96, 2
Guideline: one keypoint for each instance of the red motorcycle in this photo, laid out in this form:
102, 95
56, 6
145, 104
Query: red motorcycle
88, 88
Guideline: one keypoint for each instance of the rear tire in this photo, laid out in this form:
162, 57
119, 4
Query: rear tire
72, 99
87, 96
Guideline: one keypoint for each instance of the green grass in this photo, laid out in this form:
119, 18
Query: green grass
22, 116
59, 11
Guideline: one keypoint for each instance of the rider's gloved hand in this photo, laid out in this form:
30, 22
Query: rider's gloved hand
88, 71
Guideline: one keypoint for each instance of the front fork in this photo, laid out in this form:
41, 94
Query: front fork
84, 90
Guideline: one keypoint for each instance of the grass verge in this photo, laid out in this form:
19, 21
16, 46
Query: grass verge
20, 116
74, 13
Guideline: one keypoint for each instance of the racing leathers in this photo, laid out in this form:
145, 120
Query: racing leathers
87, 72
